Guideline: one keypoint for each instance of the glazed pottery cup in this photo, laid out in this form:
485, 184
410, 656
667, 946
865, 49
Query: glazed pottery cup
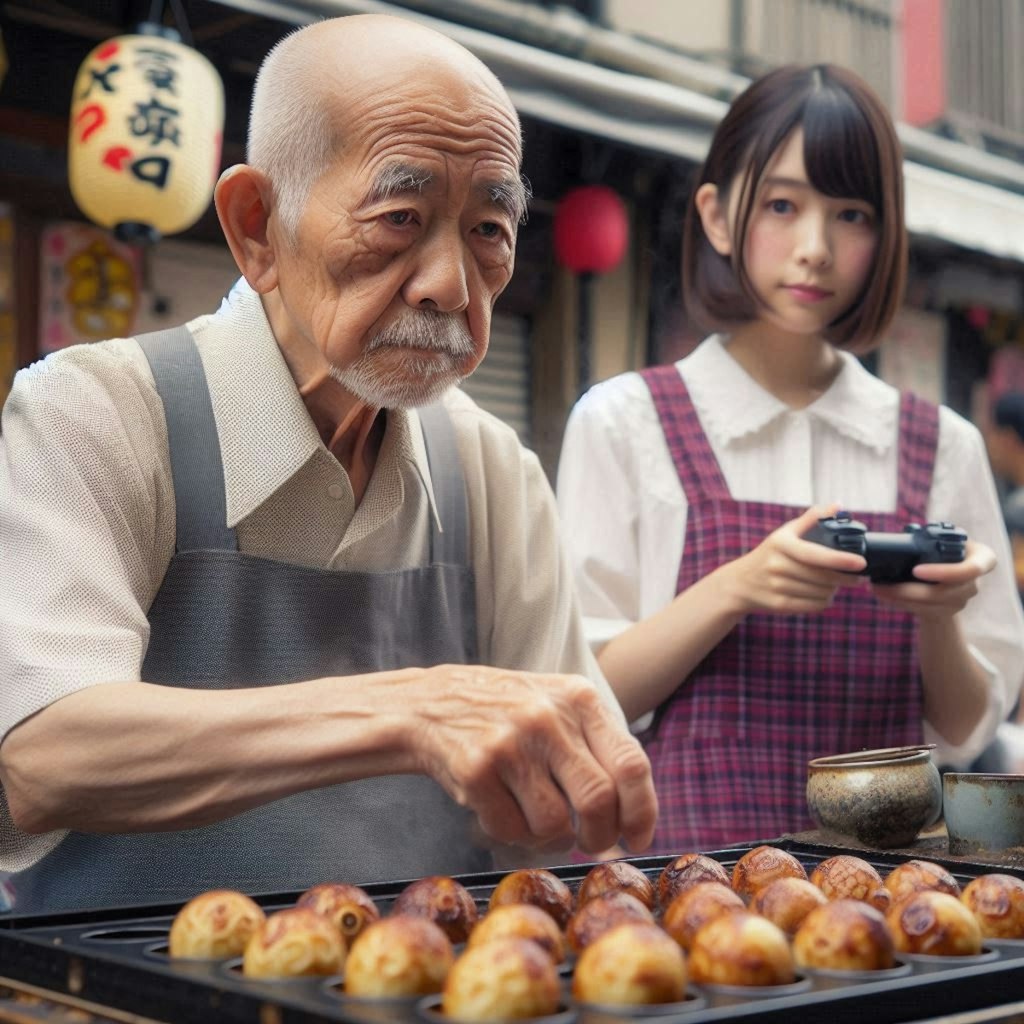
880, 798
983, 812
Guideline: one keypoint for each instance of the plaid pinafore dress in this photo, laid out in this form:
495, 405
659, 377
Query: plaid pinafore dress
729, 749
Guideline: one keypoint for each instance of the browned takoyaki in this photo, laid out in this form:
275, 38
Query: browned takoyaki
538, 886
398, 956
442, 900
214, 925
761, 865
598, 915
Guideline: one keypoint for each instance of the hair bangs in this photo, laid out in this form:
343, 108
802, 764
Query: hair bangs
840, 147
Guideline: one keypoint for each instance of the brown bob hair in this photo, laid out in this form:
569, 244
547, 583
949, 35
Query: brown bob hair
850, 151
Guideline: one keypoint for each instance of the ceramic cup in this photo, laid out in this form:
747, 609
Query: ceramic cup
880, 799
983, 812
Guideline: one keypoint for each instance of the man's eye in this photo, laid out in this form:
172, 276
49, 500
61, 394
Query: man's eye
399, 218
489, 229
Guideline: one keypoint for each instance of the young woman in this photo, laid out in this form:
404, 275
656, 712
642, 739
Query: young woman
686, 490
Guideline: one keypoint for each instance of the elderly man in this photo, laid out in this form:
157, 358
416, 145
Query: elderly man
262, 624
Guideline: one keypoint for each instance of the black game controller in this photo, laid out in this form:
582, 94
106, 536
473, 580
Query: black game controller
891, 557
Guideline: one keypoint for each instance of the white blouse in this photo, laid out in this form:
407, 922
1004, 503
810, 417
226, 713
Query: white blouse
624, 510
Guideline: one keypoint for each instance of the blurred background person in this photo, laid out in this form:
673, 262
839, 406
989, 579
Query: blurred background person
1005, 442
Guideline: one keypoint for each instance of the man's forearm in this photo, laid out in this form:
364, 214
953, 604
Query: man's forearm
135, 757
533, 755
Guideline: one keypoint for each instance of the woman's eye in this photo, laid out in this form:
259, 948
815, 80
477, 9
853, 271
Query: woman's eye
855, 216
780, 206
399, 218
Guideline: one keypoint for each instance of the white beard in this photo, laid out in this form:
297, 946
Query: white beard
423, 378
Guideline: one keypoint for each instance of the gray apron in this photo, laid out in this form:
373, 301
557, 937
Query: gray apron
223, 620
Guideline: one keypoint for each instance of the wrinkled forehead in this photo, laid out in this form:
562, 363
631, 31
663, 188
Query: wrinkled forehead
418, 131
431, 100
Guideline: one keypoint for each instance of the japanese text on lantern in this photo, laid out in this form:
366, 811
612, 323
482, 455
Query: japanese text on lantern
153, 120
147, 118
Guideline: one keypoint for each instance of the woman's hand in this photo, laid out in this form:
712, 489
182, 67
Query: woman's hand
945, 588
787, 575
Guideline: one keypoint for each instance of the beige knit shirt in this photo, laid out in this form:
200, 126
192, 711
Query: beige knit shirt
87, 518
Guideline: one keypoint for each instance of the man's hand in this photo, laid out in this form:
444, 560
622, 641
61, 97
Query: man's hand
787, 575
947, 586
539, 758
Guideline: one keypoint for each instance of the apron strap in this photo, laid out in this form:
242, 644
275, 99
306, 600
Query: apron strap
918, 442
199, 498
688, 444
449, 530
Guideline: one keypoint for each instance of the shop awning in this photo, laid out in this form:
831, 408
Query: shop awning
955, 193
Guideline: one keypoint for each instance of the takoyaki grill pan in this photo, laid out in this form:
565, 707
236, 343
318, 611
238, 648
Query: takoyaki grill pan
116, 957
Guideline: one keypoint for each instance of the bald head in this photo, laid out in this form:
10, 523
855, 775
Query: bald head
313, 78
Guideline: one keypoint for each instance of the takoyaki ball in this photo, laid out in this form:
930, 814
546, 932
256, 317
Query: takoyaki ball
847, 877
844, 935
294, 943
521, 921
507, 979
214, 925
935, 923
686, 870
741, 948
598, 915
614, 876
761, 865
787, 901
631, 965
539, 887
442, 900
916, 876
694, 907
997, 901
398, 956
348, 906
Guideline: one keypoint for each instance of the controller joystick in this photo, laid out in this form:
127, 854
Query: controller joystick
842, 532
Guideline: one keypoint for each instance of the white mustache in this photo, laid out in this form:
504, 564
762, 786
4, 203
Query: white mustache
425, 329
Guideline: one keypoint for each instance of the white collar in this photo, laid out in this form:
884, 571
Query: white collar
733, 405
265, 431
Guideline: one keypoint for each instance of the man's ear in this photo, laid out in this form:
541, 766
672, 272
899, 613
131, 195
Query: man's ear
715, 218
243, 196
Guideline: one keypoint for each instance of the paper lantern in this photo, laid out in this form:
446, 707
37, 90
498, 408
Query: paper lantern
591, 229
147, 120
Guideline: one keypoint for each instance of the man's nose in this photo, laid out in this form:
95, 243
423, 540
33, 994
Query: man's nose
438, 280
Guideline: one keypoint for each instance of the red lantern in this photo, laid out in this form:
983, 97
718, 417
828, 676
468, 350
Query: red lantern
591, 229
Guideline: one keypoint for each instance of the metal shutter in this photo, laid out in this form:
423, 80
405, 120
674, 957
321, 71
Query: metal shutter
501, 383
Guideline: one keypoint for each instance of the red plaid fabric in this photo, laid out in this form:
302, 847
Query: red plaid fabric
730, 748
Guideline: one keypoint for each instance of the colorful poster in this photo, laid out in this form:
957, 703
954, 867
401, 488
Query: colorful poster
8, 332
89, 286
